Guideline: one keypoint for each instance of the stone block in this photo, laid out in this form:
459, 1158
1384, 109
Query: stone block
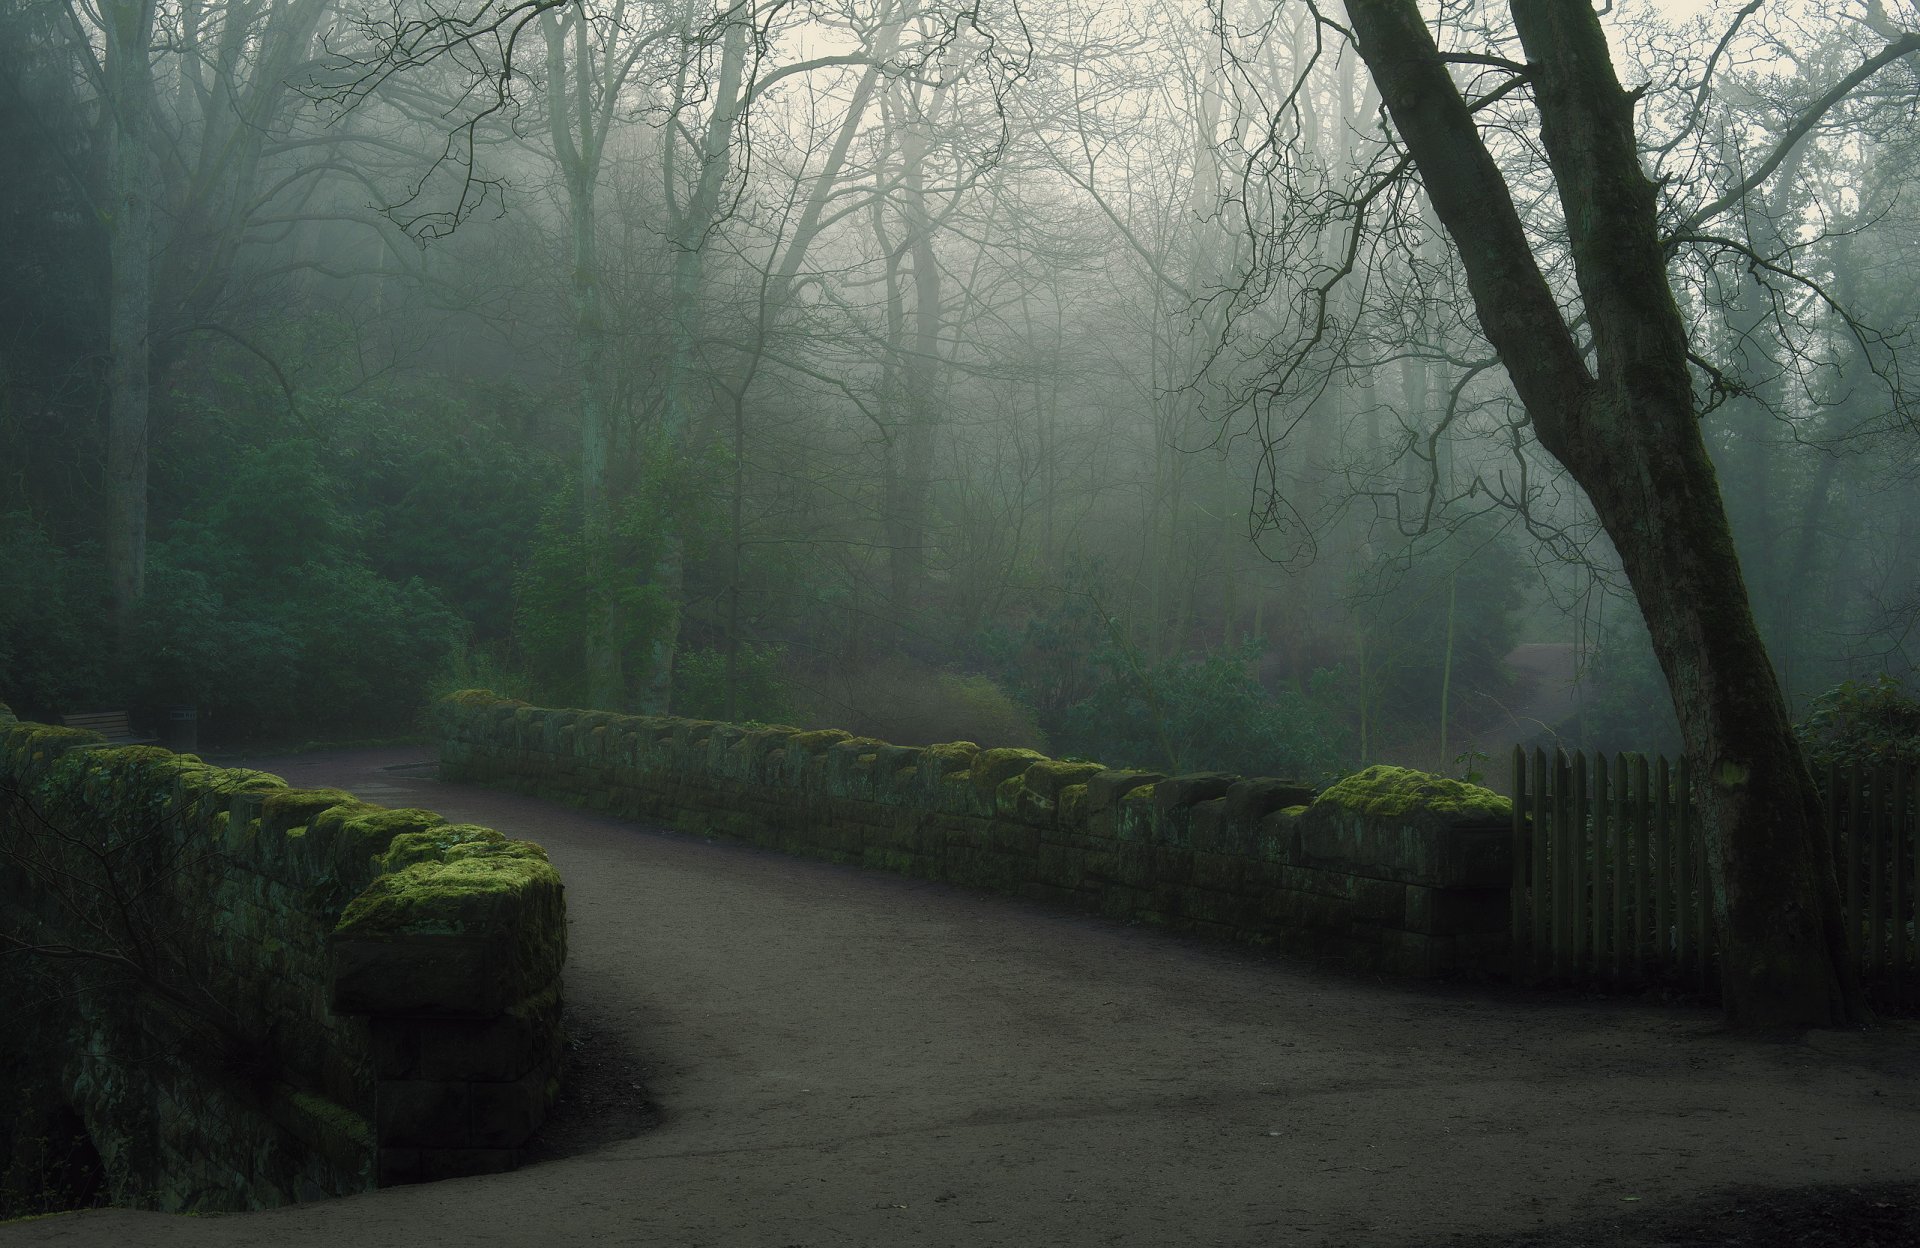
1219, 871
1205, 822
1254, 798
956, 795
1106, 788
1382, 903
993, 767
1174, 792
1049, 778
468, 937
501, 1048
1060, 866
1017, 840
1135, 819
1455, 911
505, 1115
1421, 848
1071, 809
423, 1113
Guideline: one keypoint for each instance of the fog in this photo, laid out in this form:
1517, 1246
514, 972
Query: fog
1095, 377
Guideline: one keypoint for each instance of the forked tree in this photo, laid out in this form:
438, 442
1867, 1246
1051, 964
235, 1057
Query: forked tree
1605, 374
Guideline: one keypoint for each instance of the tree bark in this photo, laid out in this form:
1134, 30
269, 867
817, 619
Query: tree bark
1628, 434
128, 80
577, 124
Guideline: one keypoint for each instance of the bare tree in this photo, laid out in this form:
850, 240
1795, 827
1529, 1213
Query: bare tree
1602, 366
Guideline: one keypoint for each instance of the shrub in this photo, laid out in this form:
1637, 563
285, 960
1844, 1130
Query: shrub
909, 704
53, 645
1206, 714
761, 693
1872, 723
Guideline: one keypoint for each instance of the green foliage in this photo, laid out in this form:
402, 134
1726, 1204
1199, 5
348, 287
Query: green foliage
1465, 585
1050, 660
52, 651
909, 704
1625, 706
1206, 714
265, 612
761, 692
1872, 723
574, 585
319, 646
580, 581
469, 666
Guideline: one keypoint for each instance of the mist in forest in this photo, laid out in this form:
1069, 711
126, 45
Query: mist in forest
1094, 376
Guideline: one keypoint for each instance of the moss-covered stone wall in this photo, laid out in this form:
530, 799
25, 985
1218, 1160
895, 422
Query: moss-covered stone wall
242, 994
1389, 870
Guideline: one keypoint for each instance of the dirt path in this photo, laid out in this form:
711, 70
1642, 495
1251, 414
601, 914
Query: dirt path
844, 1057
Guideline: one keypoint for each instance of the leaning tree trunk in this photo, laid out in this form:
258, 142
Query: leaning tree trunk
1628, 433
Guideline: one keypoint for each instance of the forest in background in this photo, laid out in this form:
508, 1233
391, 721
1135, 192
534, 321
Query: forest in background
931, 371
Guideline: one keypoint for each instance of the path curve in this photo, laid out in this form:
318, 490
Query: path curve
850, 1058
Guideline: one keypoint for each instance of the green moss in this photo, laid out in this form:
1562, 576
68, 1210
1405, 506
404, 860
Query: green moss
478, 698
1393, 792
1293, 810
448, 897
289, 808
358, 831
818, 740
1049, 777
334, 1118
504, 892
439, 844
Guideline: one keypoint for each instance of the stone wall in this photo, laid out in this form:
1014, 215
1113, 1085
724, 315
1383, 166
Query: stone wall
1388, 870
247, 994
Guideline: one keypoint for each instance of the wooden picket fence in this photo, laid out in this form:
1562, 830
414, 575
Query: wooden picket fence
1610, 873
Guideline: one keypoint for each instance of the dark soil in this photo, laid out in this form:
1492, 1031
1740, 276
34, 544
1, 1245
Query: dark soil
1821, 1216
603, 1091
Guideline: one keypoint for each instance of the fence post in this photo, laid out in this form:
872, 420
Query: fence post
1520, 956
1562, 877
1854, 815
1660, 816
1580, 873
1642, 856
1605, 892
1913, 837
1899, 905
1876, 876
1542, 882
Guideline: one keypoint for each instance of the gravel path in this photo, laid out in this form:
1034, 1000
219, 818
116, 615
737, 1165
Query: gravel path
843, 1057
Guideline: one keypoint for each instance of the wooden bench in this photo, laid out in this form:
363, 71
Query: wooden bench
113, 725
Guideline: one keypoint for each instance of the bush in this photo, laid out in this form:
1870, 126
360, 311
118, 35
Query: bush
53, 644
1873, 723
908, 704
761, 694
1208, 714
330, 646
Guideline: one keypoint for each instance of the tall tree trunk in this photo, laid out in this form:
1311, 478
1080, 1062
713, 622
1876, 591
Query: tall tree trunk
128, 76
920, 406
691, 227
1629, 435
577, 123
